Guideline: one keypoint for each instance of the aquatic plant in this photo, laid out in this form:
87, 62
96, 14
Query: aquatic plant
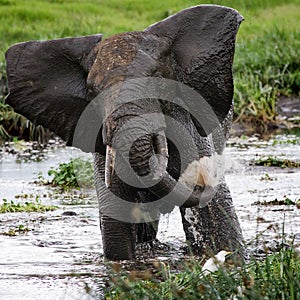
267, 177
28, 206
272, 161
78, 172
16, 230
284, 201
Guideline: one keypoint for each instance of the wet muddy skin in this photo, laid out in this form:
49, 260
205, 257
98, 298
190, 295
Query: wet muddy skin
59, 257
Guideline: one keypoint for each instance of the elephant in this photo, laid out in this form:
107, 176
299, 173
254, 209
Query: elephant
155, 108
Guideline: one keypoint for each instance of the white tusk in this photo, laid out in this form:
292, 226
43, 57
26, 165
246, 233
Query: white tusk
162, 145
161, 154
109, 165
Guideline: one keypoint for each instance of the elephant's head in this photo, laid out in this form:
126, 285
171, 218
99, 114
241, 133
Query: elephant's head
126, 82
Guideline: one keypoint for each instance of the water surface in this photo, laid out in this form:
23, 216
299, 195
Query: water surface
61, 256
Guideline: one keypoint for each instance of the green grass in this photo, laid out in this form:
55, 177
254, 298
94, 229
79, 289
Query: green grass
267, 60
275, 277
28, 206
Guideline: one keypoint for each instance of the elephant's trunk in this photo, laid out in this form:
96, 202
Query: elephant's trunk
146, 167
148, 154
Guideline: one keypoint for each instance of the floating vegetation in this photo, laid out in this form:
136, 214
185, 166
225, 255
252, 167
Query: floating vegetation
37, 206
285, 201
267, 177
15, 231
272, 161
286, 142
32, 196
74, 174
76, 199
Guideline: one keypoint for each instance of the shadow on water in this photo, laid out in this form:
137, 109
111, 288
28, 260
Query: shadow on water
59, 256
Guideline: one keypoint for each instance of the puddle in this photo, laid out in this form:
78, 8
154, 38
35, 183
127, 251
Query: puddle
60, 256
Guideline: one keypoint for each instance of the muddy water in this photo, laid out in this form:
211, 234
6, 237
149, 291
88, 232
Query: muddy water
60, 256
264, 225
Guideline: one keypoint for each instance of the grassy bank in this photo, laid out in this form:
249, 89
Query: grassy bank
267, 58
275, 277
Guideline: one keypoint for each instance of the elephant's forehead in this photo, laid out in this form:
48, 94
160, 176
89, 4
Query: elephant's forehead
118, 50
113, 57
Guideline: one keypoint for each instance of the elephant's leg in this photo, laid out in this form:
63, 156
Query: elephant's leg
118, 236
214, 227
146, 232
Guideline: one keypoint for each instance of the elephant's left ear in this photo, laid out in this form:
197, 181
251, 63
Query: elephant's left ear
47, 81
202, 43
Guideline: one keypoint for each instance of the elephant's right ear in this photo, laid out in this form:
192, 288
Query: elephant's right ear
202, 43
47, 81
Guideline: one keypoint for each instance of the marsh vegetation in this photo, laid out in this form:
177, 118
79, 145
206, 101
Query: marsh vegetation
267, 53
